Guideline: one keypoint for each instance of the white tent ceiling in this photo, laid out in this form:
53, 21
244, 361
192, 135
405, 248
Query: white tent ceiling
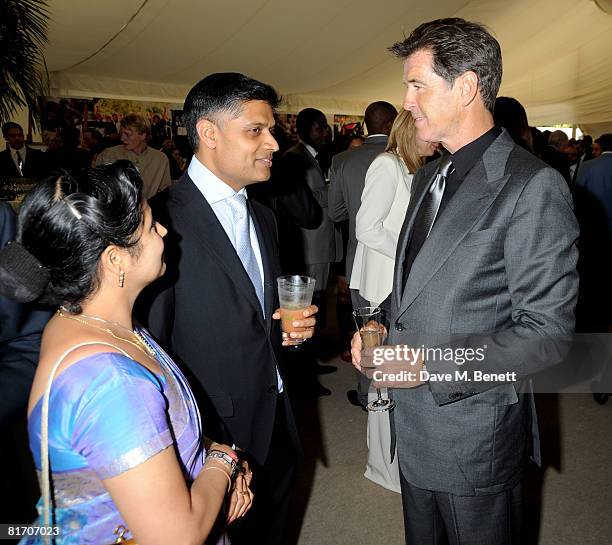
326, 53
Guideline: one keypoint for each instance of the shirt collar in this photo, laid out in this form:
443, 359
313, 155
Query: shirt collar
21, 151
310, 149
375, 135
467, 156
213, 188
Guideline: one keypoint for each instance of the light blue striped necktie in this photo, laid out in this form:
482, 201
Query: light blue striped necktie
243, 246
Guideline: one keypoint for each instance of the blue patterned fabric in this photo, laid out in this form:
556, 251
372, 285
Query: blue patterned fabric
108, 414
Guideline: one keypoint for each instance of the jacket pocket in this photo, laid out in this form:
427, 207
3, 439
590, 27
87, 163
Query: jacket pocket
486, 236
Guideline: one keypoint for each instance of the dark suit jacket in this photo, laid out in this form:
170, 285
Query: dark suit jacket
295, 208
596, 177
33, 167
498, 270
324, 243
558, 161
20, 330
206, 312
346, 183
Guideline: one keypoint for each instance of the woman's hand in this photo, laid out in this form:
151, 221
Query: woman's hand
241, 498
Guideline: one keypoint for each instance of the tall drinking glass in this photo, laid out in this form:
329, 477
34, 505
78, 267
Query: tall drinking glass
369, 324
295, 296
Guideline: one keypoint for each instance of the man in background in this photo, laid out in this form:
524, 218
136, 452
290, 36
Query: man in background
152, 164
19, 160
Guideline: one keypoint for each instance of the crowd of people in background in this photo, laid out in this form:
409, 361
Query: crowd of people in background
298, 189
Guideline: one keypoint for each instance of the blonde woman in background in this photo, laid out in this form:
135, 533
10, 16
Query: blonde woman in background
379, 220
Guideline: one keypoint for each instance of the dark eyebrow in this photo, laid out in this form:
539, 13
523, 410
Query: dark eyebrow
259, 125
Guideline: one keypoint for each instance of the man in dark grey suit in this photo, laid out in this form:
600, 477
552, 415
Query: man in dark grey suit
346, 182
485, 273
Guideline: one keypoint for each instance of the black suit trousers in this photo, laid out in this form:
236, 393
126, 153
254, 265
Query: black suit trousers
272, 485
440, 518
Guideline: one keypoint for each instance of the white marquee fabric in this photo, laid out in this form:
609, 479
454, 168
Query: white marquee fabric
329, 54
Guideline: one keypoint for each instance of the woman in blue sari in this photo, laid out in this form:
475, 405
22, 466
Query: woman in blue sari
124, 434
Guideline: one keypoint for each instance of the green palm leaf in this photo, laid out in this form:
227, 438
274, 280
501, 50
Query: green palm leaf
23, 72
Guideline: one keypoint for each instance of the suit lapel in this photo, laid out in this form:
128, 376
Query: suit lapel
475, 195
211, 235
313, 161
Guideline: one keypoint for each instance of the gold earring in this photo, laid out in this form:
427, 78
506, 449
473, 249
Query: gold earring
121, 278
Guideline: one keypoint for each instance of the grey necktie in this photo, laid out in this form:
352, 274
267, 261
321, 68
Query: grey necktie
19, 163
244, 249
426, 215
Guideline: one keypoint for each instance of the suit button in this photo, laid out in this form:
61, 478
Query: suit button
399, 326
272, 389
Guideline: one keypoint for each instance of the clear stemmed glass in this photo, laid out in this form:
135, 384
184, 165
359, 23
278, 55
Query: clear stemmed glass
369, 324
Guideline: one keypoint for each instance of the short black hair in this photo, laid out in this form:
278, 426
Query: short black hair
305, 119
223, 92
10, 125
458, 46
67, 223
605, 141
511, 114
379, 117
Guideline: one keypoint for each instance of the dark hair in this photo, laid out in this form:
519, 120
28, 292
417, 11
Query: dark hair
306, 119
379, 117
539, 142
66, 224
605, 141
509, 113
458, 46
224, 92
10, 125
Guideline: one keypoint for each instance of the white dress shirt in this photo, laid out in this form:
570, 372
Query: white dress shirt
310, 149
22, 153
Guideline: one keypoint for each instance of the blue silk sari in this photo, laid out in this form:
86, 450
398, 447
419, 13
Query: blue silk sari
108, 414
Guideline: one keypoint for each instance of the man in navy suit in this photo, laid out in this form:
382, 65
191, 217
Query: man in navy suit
596, 177
20, 330
215, 307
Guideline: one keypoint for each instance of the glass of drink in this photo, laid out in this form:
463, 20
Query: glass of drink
369, 324
295, 296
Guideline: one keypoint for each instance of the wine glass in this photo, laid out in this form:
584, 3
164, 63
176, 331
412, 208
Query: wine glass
369, 324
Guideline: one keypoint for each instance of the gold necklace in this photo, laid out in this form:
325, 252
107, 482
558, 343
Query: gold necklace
140, 343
